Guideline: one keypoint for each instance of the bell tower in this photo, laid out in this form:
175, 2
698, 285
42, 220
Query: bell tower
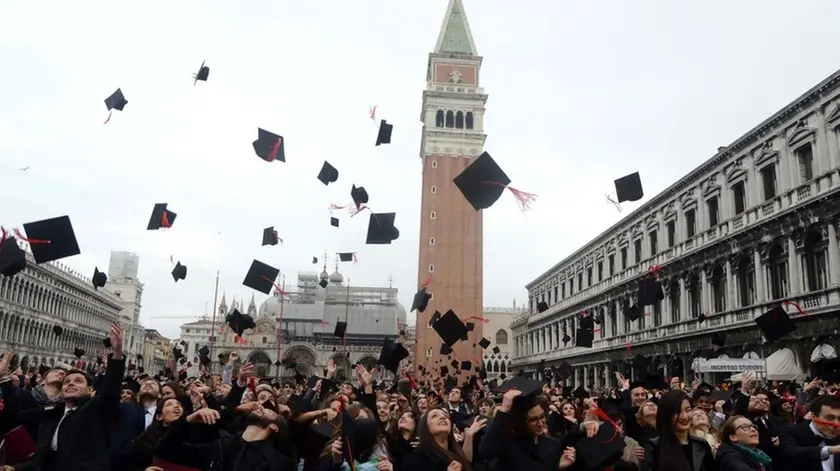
451, 241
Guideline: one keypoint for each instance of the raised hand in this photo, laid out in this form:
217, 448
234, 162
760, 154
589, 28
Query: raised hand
203, 416
4, 362
117, 340
245, 372
364, 376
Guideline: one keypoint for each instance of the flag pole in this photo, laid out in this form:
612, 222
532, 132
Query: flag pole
280, 327
213, 325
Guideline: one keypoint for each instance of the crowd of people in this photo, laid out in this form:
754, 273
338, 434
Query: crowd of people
64, 419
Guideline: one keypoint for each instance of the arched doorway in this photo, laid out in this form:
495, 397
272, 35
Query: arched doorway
343, 369
261, 362
302, 357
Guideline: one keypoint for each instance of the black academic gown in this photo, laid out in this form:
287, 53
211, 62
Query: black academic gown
510, 453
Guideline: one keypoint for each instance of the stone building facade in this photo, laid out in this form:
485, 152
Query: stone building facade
752, 227
49, 294
450, 229
497, 330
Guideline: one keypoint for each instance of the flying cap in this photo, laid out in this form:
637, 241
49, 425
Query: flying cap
359, 195
270, 236
484, 343
391, 355
629, 188
602, 450
421, 300
314, 259
482, 182
328, 174
340, 329
381, 229
527, 387
51, 239
116, 101
775, 324
261, 277
99, 279
161, 217
12, 258
347, 256
633, 312
78, 352
131, 384
202, 74
270, 146
450, 328
650, 291
323, 283
179, 272
333, 223
719, 339
542, 306
384, 135
57, 330
239, 322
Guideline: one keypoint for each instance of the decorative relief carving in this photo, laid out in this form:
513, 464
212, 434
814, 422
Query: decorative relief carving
833, 119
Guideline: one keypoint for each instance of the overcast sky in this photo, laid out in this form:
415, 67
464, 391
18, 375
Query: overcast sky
580, 93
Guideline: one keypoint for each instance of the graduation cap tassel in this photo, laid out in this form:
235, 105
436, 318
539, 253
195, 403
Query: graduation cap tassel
606, 418
523, 198
164, 221
478, 318
791, 303
275, 149
20, 236
614, 202
276, 286
278, 238
372, 113
355, 259
426, 283
334, 207
411, 383
655, 269
109, 117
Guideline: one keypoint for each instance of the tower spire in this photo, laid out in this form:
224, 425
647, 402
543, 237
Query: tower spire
455, 35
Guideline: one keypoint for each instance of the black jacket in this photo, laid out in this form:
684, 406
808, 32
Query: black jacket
520, 453
702, 457
799, 449
732, 458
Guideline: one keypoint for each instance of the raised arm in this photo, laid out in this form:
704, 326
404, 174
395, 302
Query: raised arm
109, 397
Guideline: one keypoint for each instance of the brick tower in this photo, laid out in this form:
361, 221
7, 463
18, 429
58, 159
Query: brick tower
451, 241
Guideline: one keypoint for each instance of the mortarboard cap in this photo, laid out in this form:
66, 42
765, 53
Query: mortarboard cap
482, 182
131, 384
719, 339
542, 306
139, 357
421, 300
270, 236
270, 146
633, 312
340, 329
359, 195
650, 291
384, 135
444, 371
347, 256
99, 279
106, 341
527, 387
391, 355
775, 324
702, 317
78, 352
566, 338
466, 365
203, 351
584, 338
435, 317
450, 328
202, 74
445, 349
57, 330
12, 258
261, 277
484, 343
334, 222
161, 217
496, 349
564, 370
381, 229
323, 283
602, 450
328, 174
51, 239
629, 188
116, 101
239, 322
314, 260
179, 272
581, 393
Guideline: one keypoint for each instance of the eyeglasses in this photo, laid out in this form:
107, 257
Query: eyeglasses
746, 427
539, 418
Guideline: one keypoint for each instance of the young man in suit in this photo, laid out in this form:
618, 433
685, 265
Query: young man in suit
814, 445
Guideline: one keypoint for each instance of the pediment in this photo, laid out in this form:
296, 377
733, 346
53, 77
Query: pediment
687, 200
801, 135
711, 190
765, 157
833, 119
735, 173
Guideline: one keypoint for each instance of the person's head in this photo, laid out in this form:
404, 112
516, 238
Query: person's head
638, 394
288, 388
455, 395
76, 385
535, 419
127, 396
149, 390
422, 404
569, 410
825, 414
265, 419
434, 428
485, 407
334, 403
673, 414
168, 410
703, 400
739, 430
699, 418
646, 416
224, 389
406, 422
788, 404
171, 389
265, 394
15, 381
383, 408
759, 402
55, 377
437, 422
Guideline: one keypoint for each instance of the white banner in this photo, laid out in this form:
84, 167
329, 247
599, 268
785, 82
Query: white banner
726, 365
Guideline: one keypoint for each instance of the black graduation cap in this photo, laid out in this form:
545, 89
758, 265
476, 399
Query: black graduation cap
484, 343
444, 371
719, 339
629, 188
391, 355
650, 291
542, 306
161, 217
445, 349
179, 272
584, 338
564, 370
51, 239
466, 365
581, 393
261, 277
314, 260
57, 330
359, 196
482, 182
270, 236
640, 363
131, 384
566, 338
203, 351
347, 256
78, 352
604, 449
450, 328
12, 258
270, 146
421, 300
775, 324
106, 341
384, 135
333, 222
328, 174
381, 229
202, 74
139, 357
116, 101
527, 387
99, 279
340, 329
324, 283
633, 312
702, 317
435, 317
239, 322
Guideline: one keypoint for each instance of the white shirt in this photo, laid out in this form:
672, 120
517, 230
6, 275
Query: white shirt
150, 415
827, 458
54, 445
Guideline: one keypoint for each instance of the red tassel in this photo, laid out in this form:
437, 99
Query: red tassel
523, 199
604, 417
3, 237
372, 113
655, 270
614, 202
828, 424
252, 385
109, 117
478, 318
426, 283
337, 206
276, 286
164, 221
629, 348
355, 259
275, 149
277, 237
358, 209
30, 241
801, 311
411, 383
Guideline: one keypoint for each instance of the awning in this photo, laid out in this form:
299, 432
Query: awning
823, 352
781, 366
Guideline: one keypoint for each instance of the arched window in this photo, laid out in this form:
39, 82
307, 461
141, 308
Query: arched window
488, 366
746, 281
815, 263
777, 265
505, 367
469, 120
450, 119
459, 120
439, 119
501, 337
495, 366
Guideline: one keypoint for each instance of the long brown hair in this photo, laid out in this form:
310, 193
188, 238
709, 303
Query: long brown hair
429, 446
353, 410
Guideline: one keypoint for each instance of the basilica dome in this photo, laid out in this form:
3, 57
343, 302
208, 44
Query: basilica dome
337, 278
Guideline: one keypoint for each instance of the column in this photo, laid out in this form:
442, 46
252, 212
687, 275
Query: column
823, 160
730, 286
683, 300
586, 377
760, 295
794, 270
705, 299
833, 256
